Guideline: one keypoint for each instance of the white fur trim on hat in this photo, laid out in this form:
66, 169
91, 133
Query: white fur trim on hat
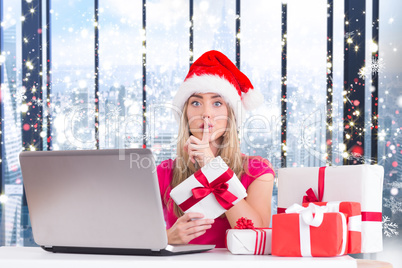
208, 84
252, 99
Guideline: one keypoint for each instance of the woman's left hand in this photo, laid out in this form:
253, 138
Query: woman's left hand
200, 150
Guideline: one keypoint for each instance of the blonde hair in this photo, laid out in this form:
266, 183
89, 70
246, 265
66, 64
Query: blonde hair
228, 150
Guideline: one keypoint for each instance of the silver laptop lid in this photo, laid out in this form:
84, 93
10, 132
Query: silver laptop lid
97, 198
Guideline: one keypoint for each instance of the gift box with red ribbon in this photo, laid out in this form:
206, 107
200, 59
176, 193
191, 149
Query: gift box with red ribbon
353, 215
309, 232
249, 241
357, 183
211, 190
245, 239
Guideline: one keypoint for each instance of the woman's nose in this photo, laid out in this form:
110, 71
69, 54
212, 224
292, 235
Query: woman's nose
206, 113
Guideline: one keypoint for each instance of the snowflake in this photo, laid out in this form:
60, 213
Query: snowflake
38, 102
389, 227
396, 184
91, 112
377, 66
78, 117
349, 34
114, 111
362, 73
136, 138
20, 96
393, 204
83, 115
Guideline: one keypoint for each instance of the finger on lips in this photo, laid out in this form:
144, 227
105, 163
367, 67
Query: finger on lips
193, 144
205, 136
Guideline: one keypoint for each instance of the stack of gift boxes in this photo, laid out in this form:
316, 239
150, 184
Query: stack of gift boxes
326, 211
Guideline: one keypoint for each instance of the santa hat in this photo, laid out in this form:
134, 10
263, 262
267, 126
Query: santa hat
213, 72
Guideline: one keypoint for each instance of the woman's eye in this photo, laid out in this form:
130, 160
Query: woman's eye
195, 103
218, 103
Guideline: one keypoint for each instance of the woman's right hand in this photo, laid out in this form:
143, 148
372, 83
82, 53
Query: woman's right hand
188, 227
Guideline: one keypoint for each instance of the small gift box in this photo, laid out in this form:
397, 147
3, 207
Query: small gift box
357, 183
353, 215
247, 240
211, 190
310, 231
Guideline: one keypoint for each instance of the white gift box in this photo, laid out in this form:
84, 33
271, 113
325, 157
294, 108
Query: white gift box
216, 169
357, 183
249, 241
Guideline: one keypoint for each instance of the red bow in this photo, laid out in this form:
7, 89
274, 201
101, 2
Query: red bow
218, 187
310, 197
244, 223
261, 234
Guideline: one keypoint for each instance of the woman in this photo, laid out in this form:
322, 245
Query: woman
210, 102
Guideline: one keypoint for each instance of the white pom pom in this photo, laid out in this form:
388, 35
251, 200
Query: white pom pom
252, 99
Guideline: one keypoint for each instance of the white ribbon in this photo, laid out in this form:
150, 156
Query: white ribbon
333, 206
355, 223
344, 234
306, 219
307, 213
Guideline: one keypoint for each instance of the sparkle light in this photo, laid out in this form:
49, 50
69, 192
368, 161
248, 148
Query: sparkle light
24, 108
204, 5
84, 33
3, 198
394, 191
82, 84
143, 34
373, 46
29, 65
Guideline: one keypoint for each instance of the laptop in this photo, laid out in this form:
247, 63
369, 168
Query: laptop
97, 201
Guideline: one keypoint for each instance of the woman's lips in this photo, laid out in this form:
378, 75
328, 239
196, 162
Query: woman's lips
210, 126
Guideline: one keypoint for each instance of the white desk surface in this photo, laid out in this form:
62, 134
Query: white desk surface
15, 257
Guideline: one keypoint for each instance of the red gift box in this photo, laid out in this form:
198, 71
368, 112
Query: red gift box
352, 211
311, 232
354, 183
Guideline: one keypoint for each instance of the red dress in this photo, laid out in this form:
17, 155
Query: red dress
216, 234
